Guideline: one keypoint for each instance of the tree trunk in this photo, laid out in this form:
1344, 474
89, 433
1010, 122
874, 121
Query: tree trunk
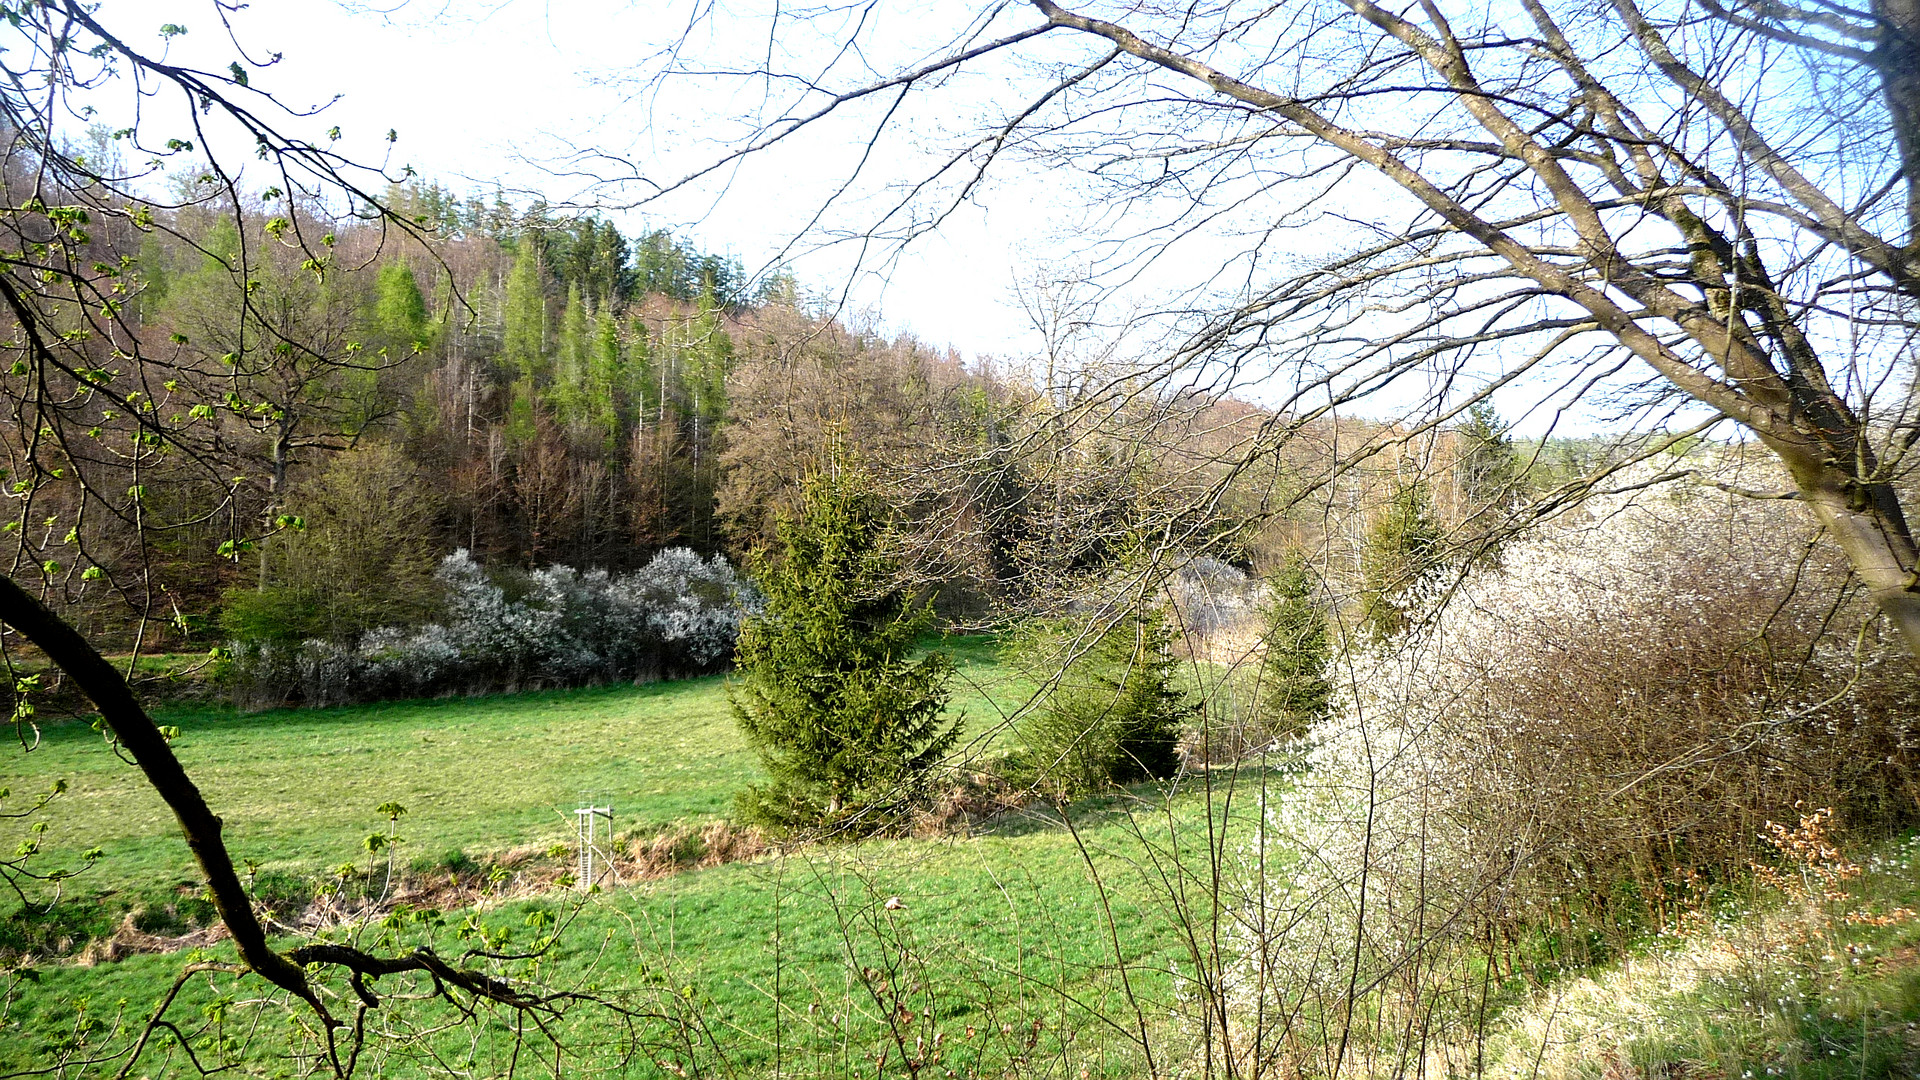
1866, 521
1898, 60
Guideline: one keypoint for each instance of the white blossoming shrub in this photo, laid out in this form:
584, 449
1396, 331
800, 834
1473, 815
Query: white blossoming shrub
1209, 596
677, 616
692, 607
1576, 740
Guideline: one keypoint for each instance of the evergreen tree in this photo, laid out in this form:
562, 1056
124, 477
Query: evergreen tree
1294, 689
663, 266
720, 279
1489, 466
605, 369
704, 360
522, 414
570, 370
780, 289
1403, 548
709, 362
592, 255
615, 275
399, 312
473, 218
523, 335
500, 216
639, 383
845, 724
1115, 713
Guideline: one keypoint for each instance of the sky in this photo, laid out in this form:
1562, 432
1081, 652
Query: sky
504, 92
513, 92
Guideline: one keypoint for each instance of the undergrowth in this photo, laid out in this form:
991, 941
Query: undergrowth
1811, 973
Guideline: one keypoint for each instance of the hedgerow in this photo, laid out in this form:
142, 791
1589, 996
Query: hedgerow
675, 617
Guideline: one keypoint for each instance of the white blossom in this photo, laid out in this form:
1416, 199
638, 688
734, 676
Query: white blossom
678, 615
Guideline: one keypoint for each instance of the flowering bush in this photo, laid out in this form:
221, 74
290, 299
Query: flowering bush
1576, 741
676, 616
1208, 596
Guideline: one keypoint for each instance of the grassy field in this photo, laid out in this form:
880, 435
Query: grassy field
1022, 946
298, 788
803, 951
988, 933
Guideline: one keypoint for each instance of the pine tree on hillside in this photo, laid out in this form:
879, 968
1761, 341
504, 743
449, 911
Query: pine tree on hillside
523, 342
661, 266
399, 312
571, 359
639, 382
606, 365
845, 724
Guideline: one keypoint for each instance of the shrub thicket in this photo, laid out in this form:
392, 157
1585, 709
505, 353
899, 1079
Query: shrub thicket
677, 616
1582, 741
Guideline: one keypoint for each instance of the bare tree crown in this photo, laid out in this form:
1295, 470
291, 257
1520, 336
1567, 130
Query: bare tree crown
1685, 210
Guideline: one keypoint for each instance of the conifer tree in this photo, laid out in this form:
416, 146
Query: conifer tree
1489, 467
399, 311
661, 266
705, 362
605, 364
570, 369
1116, 711
524, 314
500, 216
1403, 548
846, 724
640, 385
1294, 689
522, 413
709, 360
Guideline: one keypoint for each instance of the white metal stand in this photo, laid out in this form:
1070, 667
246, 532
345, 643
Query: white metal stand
590, 830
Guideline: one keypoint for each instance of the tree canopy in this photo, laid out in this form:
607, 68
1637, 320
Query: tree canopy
1679, 213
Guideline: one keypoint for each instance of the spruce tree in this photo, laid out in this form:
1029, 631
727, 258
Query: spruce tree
570, 367
1492, 480
845, 723
1490, 468
524, 315
399, 311
1116, 710
1294, 689
605, 369
640, 387
1403, 548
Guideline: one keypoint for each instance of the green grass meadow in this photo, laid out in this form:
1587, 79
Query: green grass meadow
1011, 941
298, 788
1037, 943
990, 933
